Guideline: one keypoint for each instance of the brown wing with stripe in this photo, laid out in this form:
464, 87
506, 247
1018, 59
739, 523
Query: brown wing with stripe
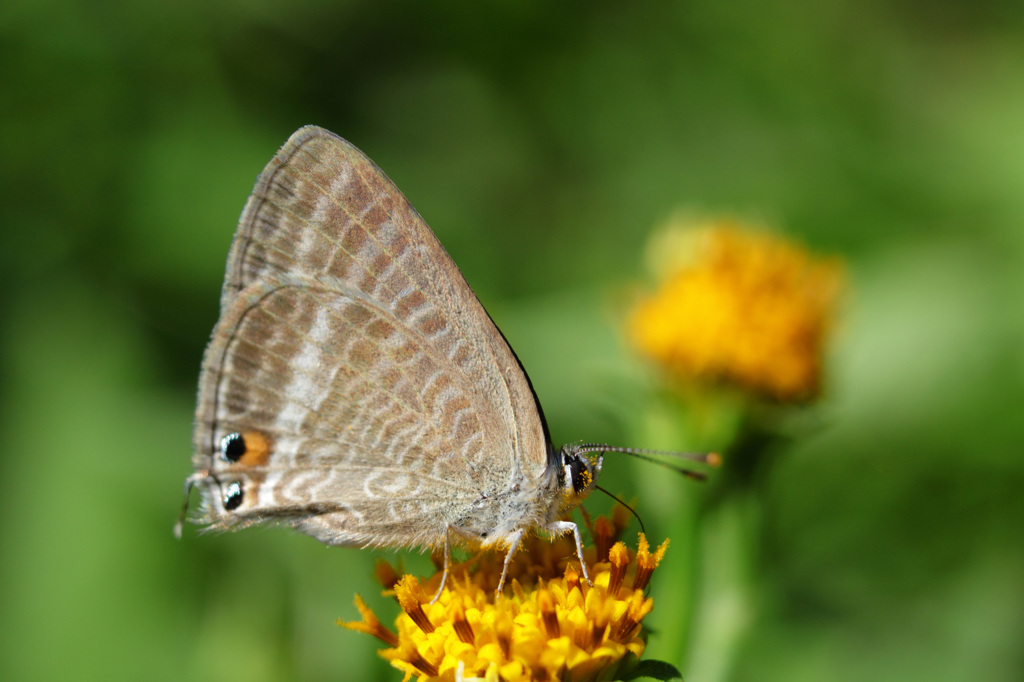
373, 395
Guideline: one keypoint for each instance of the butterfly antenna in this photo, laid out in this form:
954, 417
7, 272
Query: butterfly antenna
710, 458
631, 510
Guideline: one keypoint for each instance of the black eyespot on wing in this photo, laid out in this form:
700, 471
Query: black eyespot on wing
233, 495
232, 447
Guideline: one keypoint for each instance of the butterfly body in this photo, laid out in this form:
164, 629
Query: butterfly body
354, 387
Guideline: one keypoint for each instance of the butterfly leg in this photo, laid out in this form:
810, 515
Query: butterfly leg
447, 564
190, 483
559, 527
513, 545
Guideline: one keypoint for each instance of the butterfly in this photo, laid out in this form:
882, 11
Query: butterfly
356, 389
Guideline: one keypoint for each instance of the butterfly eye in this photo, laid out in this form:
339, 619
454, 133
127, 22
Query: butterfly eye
232, 447
577, 475
233, 496
581, 476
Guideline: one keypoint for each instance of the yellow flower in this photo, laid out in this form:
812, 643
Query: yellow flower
548, 624
739, 306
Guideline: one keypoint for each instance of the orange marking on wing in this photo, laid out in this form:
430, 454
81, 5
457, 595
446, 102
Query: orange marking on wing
257, 449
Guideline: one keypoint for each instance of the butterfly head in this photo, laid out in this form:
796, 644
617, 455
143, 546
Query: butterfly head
578, 474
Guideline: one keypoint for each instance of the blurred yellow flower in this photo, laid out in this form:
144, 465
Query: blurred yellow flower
548, 624
737, 305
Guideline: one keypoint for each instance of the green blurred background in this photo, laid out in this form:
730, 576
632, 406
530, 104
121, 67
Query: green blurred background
542, 141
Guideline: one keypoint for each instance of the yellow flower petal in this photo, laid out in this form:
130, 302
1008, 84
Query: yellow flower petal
740, 306
550, 626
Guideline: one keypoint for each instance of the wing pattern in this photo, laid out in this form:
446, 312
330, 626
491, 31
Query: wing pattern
377, 398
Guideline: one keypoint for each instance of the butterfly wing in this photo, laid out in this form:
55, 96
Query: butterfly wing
354, 387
